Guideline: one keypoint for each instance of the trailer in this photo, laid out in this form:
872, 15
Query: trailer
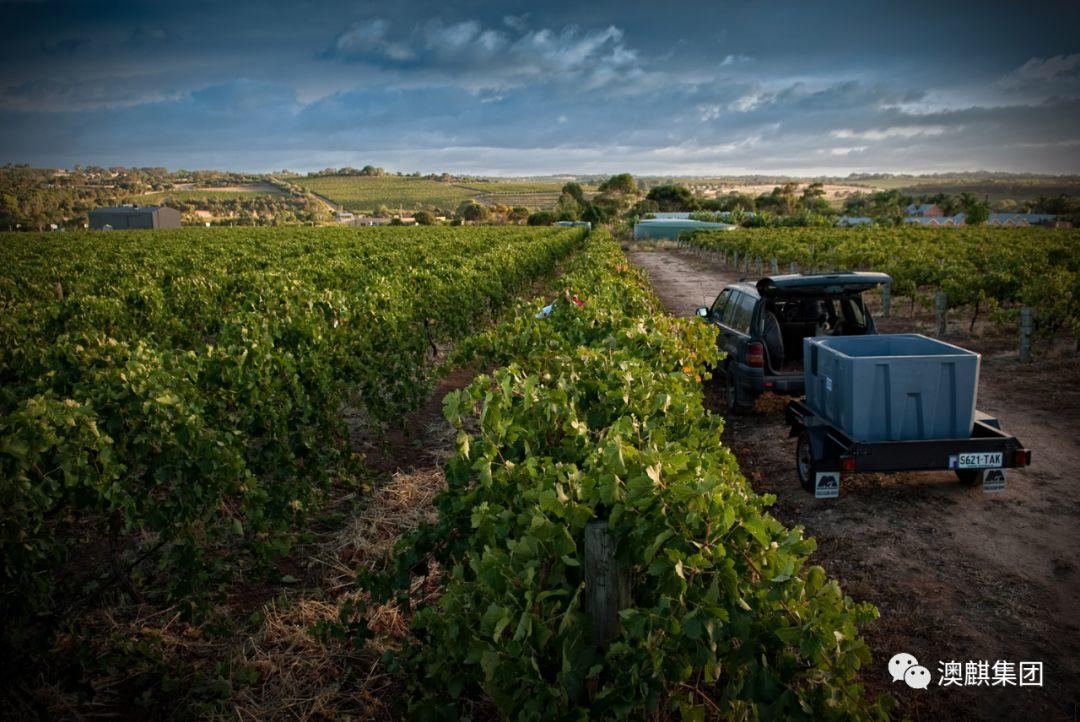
895, 402
824, 453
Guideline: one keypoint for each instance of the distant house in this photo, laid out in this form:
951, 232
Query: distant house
996, 220
937, 221
369, 221
345, 217
927, 210
575, 224
124, 217
1020, 220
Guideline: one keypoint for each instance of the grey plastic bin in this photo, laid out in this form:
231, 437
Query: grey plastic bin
892, 387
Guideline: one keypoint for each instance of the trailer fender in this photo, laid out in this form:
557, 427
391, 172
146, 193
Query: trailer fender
818, 441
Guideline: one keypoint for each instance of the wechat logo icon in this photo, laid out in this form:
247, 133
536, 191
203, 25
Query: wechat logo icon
905, 667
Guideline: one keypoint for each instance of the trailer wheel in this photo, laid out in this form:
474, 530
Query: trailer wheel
969, 477
804, 462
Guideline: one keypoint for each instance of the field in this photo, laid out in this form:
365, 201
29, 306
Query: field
513, 186
317, 473
165, 378
188, 192
205, 434
202, 195
364, 193
834, 192
995, 188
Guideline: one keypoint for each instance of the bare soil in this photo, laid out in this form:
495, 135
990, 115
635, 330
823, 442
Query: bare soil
957, 574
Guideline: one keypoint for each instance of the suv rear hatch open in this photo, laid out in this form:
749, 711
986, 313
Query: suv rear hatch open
821, 284
804, 306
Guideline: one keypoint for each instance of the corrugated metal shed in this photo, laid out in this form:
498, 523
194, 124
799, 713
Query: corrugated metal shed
122, 217
672, 228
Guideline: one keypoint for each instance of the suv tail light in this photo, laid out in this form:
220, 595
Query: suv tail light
755, 355
1022, 457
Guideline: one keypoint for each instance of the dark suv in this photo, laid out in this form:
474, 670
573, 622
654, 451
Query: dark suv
762, 327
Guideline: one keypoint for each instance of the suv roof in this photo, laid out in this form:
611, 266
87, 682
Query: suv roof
797, 284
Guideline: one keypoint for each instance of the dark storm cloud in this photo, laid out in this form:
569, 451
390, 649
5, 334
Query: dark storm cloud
731, 86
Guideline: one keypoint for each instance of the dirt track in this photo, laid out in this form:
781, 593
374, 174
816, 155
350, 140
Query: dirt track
956, 573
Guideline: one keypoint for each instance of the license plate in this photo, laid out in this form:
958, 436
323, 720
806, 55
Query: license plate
988, 460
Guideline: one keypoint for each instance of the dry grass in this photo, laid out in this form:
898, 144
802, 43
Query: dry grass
302, 678
391, 510
279, 670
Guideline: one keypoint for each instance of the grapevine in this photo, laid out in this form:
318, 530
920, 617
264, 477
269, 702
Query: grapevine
596, 412
179, 393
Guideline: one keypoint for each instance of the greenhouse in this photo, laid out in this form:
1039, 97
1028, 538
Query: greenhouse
672, 228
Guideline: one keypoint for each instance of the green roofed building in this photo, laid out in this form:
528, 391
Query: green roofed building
672, 228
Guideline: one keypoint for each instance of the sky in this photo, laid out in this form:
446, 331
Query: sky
687, 88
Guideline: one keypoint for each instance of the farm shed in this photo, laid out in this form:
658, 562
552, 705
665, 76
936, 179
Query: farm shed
672, 228
122, 217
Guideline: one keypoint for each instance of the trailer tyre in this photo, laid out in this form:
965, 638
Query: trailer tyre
968, 477
804, 462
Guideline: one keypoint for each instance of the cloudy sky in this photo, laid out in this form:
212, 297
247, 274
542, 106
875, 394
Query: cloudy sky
720, 87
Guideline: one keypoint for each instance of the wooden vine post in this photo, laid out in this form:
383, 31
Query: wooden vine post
886, 299
940, 309
607, 584
1026, 328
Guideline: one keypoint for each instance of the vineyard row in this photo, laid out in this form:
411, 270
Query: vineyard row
991, 272
172, 401
595, 412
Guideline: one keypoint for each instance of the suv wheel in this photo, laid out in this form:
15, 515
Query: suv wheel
733, 401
